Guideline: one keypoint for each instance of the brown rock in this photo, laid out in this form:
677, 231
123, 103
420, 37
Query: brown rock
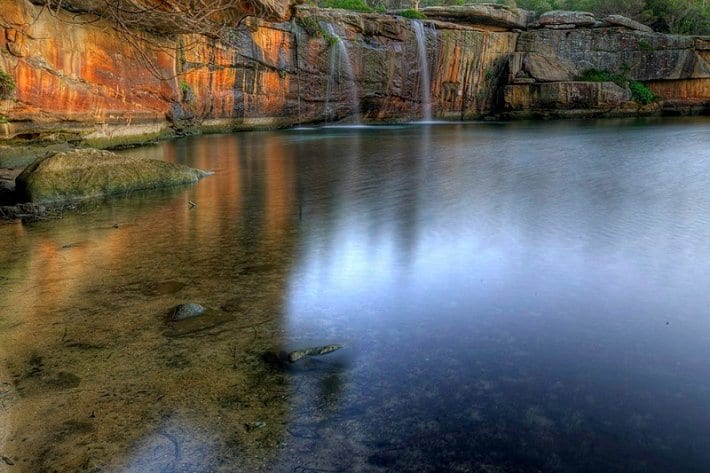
652, 56
549, 69
568, 26
565, 96
482, 15
561, 17
627, 23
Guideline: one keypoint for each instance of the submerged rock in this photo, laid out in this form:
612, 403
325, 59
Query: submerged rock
296, 355
186, 311
86, 173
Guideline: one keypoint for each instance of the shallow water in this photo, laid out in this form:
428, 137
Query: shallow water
512, 297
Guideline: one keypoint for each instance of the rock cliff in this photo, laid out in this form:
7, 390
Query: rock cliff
87, 79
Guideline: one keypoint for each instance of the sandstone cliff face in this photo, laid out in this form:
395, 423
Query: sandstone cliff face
565, 44
87, 81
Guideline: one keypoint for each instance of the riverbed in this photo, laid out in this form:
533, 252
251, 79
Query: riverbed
511, 297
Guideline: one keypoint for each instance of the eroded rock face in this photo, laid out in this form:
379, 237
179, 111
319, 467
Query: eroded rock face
567, 18
565, 96
649, 56
483, 15
619, 20
177, 16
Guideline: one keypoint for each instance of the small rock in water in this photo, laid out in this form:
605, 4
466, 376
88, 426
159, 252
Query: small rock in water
250, 426
296, 355
186, 311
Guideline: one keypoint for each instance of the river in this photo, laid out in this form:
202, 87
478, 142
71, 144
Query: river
511, 297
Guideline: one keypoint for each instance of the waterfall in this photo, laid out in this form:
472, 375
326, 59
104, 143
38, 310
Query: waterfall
424, 79
339, 63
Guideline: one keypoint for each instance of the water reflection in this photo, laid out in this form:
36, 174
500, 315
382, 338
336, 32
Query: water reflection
100, 378
513, 297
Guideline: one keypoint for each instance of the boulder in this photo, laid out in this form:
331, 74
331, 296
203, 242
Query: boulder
492, 15
549, 69
86, 173
567, 18
619, 20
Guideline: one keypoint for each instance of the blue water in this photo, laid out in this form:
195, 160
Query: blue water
512, 297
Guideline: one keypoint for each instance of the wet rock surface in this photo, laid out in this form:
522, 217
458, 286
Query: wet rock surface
186, 311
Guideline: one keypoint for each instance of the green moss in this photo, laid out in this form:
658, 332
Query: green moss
412, 14
3, 119
7, 85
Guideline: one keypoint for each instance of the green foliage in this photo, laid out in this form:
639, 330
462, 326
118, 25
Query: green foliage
3, 119
353, 5
595, 75
489, 74
7, 85
645, 45
188, 95
412, 14
310, 25
332, 40
641, 93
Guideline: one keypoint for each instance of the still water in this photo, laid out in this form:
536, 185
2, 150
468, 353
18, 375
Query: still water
512, 298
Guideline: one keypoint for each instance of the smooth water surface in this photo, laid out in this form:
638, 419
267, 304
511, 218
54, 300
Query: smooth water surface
512, 298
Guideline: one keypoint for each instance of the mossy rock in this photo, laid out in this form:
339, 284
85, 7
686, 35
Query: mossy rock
85, 173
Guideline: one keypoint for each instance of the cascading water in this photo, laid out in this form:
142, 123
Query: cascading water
424, 78
339, 63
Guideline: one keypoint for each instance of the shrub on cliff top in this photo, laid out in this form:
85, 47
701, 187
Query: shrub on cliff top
353, 5
412, 14
7, 85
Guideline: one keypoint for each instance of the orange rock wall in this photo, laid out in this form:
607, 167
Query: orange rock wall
80, 79
85, 73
